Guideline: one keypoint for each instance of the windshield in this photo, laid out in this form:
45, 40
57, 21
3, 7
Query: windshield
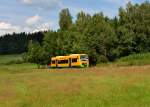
84, 57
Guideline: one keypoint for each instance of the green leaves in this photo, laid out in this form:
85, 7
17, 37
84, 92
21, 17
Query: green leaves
102, 38
37, 54
133, 30
65, 19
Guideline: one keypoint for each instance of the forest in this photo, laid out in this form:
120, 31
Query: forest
17, 43
104, 39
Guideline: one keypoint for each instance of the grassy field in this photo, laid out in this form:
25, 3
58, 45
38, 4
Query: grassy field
135, 59
22, 85
8, 59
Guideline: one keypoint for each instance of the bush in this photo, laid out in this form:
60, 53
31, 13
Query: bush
135, 59
18, 61
102, 59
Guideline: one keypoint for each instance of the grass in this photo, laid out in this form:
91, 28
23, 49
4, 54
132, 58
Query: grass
22, 85
135, 59
14, 64
92, 87
8, 59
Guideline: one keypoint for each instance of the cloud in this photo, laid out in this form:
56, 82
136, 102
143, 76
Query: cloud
127, 1
36, 23
33, 20
43, 27
32, 24
6, 27
43, 4
27, 2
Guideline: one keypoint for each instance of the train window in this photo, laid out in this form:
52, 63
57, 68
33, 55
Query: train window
84, 58
62, 61
53, 61
74, 60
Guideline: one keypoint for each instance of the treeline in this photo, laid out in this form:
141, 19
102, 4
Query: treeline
18, 43
102, 38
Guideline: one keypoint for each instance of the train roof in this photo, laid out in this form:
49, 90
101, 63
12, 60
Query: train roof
67, 56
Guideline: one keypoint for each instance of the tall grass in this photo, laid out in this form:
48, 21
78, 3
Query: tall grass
14, 64
23, 86
11, 59
135, 59
91, 87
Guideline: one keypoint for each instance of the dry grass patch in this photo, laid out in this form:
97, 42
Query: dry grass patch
91, 87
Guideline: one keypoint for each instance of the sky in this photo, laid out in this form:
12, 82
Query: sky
38, 15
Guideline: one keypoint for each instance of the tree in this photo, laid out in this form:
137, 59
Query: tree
133, 31
37, 54
102, 38
65, 19
99, 38
82, 21
50, 43
17, 43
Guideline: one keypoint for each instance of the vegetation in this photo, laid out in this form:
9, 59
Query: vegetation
18, 43
102, 38
24, 86
10, 59
37, 54
135, 59
14, 64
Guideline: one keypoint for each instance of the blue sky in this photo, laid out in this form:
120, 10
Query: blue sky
34, 15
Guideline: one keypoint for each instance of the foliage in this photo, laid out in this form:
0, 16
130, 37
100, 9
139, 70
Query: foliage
11, 59
65, 21
18, 43
37, 54
102, 38
135, 59
26, 86
133, 31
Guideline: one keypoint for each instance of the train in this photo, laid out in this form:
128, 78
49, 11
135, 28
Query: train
69, 61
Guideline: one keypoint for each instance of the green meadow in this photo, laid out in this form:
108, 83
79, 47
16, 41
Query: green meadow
23, 85
6, 59
134, 59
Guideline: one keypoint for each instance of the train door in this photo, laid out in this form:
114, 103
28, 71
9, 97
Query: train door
69, 62
56, 63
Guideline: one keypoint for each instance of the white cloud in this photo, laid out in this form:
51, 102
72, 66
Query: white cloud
43, 27
43, 4
33, 20
127, 1
27, 1
34, 24
6, 27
